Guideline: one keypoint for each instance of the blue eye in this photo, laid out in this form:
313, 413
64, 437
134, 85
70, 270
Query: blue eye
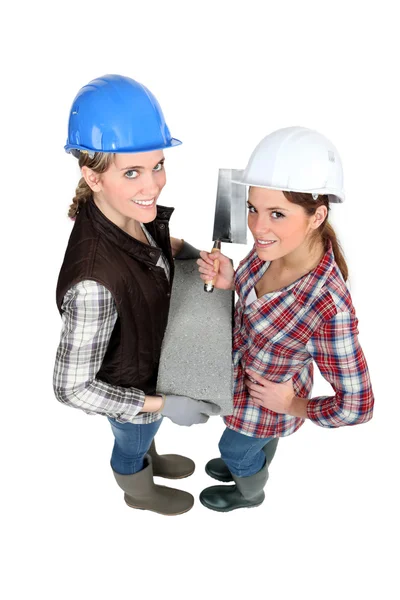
132, 174
278, 214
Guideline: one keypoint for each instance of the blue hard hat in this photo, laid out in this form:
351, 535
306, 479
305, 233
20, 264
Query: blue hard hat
117, 114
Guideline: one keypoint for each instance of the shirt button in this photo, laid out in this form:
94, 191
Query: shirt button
168, 295
152, 254
164, 215
161, 226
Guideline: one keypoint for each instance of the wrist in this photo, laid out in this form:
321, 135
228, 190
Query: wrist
298, 407
233, 278
153, 403
163, 399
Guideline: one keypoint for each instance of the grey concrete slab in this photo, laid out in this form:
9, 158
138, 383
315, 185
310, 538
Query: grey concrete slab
196, 355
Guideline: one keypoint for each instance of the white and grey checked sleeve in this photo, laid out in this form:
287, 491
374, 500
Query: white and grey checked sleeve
89, 316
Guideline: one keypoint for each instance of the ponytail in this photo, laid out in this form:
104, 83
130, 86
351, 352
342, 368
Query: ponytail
83, 193
329, 235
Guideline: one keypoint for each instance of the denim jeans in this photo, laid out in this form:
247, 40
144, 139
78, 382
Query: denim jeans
243, 455
131, 444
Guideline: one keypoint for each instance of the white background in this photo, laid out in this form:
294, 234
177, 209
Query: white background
226, 74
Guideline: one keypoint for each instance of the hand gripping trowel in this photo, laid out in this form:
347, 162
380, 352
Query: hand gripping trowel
230, 221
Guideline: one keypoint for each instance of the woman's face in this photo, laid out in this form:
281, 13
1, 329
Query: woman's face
130, 187
279, 227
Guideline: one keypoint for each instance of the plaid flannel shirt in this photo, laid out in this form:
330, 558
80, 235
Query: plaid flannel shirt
89, 316
280, 335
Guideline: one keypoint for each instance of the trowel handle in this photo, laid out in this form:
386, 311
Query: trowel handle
209, 285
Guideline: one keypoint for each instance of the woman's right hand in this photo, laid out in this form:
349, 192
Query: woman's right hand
224, 278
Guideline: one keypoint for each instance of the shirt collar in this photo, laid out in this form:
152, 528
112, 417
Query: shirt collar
309, 286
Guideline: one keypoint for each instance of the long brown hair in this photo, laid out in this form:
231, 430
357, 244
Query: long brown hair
99, 164
325, 230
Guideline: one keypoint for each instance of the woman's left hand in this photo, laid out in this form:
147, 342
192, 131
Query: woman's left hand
277, 397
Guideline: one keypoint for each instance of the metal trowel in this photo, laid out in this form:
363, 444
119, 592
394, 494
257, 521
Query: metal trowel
230, 221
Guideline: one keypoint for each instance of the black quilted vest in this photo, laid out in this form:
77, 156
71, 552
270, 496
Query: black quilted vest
101, 251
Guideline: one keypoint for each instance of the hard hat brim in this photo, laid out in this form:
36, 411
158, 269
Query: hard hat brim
172, 142
332, 194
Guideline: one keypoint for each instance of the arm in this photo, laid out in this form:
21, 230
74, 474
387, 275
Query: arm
89, 316
338, 354
176, 246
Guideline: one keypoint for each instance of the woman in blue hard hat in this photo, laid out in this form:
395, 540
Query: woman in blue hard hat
114, 287
293, 308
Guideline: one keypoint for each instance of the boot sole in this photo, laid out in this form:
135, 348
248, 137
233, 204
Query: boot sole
158, 512
169, 477
230, 509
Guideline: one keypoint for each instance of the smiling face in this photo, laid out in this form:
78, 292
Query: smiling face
280, 228
130, 187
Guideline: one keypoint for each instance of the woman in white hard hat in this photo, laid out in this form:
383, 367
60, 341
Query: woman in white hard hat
114, 287
293, 308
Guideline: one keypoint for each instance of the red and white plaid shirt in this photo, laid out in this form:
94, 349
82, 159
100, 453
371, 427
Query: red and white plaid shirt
280, 334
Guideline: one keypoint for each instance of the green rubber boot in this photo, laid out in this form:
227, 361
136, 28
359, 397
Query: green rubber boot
217, 469
247, 492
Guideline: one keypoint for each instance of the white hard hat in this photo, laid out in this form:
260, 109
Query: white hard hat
296, 159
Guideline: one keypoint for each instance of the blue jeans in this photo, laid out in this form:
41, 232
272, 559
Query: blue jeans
132, 442
243, 455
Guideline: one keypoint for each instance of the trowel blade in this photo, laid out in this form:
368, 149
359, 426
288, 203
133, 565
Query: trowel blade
230, 221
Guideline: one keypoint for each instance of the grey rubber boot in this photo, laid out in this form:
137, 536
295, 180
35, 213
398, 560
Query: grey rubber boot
171, 466
141, 492
217, 469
